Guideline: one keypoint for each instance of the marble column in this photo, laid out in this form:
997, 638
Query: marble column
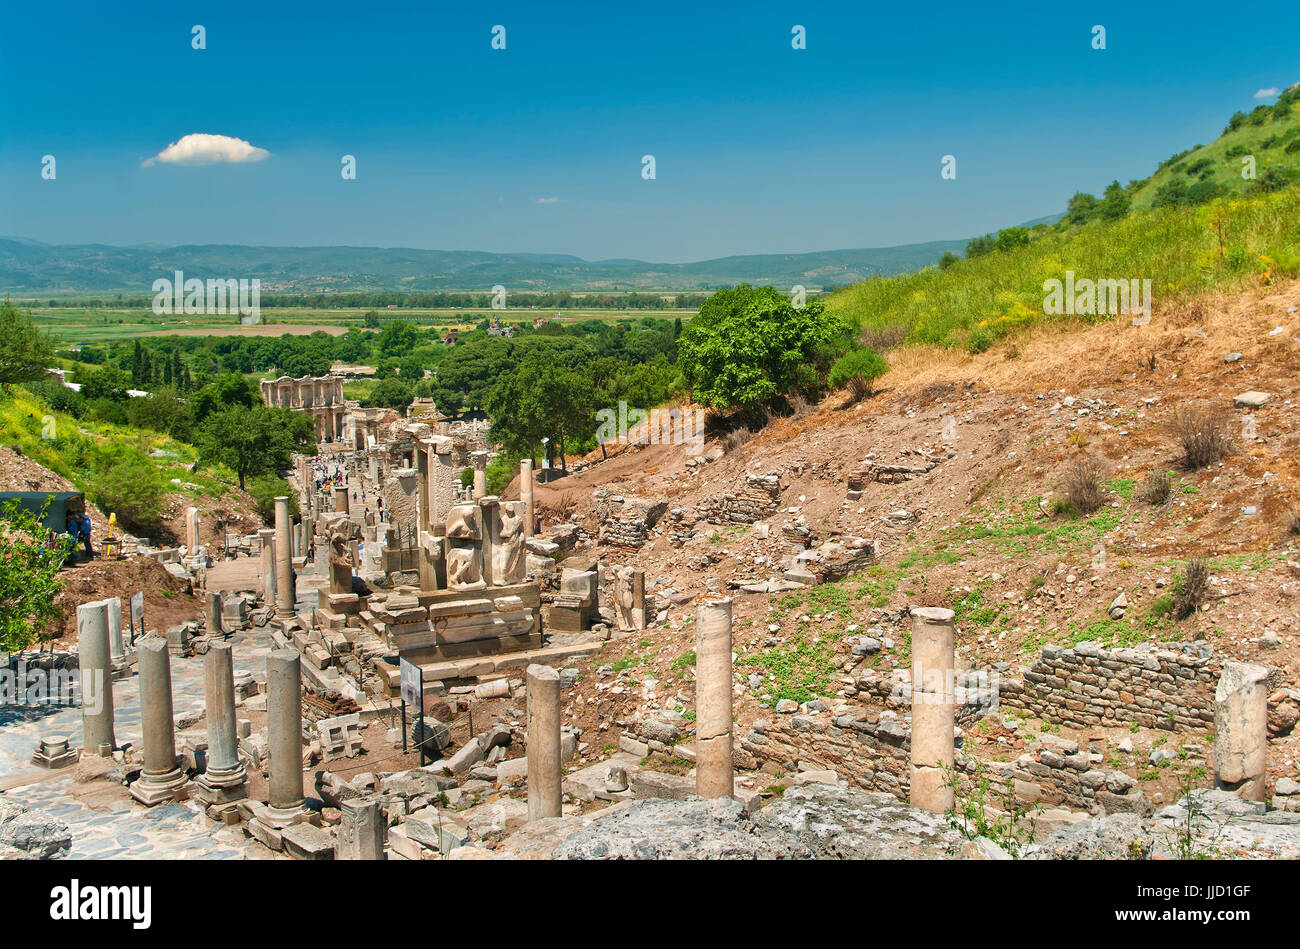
212, 614
479, 460
544, 773
160, 779
284, 731
116, 643
526, 494
225, 778
267, 537
96, 675
191, 530
714, 773
284, 592
933, 708
361, 829
1241, 730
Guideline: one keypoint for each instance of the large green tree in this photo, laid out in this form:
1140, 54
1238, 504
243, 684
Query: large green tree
543, 398
255, 441
749, 345
25, 350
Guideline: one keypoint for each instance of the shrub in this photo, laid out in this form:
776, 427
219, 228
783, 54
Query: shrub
1082, 486
1190, 591
1202, 433
132, 488
858, 370
1293, 523
736, 438
265, 489
1156, 488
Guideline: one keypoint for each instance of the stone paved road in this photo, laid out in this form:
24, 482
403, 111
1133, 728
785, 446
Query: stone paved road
105, 821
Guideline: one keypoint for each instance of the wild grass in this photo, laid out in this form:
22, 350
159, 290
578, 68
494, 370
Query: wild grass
977, 302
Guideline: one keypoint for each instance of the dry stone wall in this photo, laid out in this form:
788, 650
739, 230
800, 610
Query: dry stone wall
1088, 686
760, 498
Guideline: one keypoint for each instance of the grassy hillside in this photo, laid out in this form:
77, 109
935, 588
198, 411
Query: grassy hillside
972, 303
119, 469
1271, 134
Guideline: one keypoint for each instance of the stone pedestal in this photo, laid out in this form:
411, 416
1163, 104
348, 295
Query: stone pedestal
341, 501
96, 678
714, 774
160, 779
361, 830
933, 708
284, 734
1241, 730
544, 773
526, 495
225, 780
284, 591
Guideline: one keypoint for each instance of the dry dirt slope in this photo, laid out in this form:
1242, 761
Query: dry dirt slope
979, 533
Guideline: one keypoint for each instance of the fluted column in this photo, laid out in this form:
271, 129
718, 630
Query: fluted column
526, 494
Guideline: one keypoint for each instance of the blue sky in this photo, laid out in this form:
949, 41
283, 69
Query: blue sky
759, 148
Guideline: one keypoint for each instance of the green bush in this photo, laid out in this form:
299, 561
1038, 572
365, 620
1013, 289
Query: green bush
131, 487
265, 489
857, 370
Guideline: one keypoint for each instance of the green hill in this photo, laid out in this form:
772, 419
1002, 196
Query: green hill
1269, 134
1182, 250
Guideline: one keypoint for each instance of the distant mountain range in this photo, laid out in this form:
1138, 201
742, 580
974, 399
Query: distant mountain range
29, 267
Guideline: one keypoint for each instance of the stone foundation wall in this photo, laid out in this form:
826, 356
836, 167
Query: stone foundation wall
626, 521
1088, 686
760, 498
873, 752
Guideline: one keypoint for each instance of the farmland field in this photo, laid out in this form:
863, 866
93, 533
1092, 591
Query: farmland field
112, 324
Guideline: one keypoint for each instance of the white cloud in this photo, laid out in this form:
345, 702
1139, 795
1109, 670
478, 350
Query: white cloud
1266, 93
547, 200
200, 148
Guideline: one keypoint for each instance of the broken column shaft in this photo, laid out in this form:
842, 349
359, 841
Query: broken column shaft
160, 778
284, 730
526, 494
1241, 730
284, 592
933, 709
96, 675
714, 775
544, 775
225, 778
267, 538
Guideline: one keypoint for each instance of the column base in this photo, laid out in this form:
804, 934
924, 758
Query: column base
215, 788
151, 790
